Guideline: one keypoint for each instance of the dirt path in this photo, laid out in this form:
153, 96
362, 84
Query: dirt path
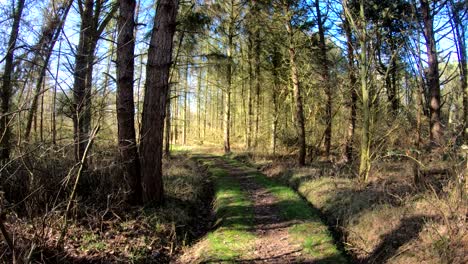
273, 242
259, 221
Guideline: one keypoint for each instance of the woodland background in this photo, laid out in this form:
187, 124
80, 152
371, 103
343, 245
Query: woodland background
95, 96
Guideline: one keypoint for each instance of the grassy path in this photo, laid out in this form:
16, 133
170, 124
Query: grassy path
260, 221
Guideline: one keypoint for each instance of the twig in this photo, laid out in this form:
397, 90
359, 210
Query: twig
5, 234
72, 195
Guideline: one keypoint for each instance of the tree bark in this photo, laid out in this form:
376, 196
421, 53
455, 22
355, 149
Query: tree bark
6, 84
227, 97
167, 141
353, 93
364, 165
276, 63
186, 91
125, 102
360, 27
249, 95
92, 26
54, 98
325, 74
154, 106
432, 76
199, 92
257, 84
299, 118
175, 118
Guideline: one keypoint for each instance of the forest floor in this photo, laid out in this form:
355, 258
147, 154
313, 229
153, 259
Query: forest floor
260, 221
244, 208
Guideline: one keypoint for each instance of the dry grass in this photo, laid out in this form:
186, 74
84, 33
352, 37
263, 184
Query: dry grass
389, 219
103, 228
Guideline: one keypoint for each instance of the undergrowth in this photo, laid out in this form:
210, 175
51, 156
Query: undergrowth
388, 220
103, 228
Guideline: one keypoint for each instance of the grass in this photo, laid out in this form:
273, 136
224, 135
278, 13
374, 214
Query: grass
387, 220
311, 233
232, 238
109, 230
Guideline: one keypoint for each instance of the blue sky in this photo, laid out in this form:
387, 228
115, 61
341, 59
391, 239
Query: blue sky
33, 13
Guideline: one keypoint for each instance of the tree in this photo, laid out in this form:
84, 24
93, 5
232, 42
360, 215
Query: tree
297, 91
352, 89
125, 103
459, 14
93, 23
154, 105
325, 78
358, 23
49, 36
7, 84
432, 74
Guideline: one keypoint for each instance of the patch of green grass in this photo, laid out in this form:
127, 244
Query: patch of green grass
91, 241
227, 244
232, 238
317, 242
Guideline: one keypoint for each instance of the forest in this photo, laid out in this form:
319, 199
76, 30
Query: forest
233, 131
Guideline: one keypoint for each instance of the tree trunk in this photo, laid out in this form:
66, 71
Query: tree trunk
276, 63
92, 26
186, 91
325, 74
205, 108
300, 123
6, 84
50, 35
199, 86
433, 83
249, 96
460, 39
167, 141
364, 165
257, 84
41, 120
54, 99
154, 106
353, 94
227, 97
125, 103
274, 125
175, 118
80, 83
394, 98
